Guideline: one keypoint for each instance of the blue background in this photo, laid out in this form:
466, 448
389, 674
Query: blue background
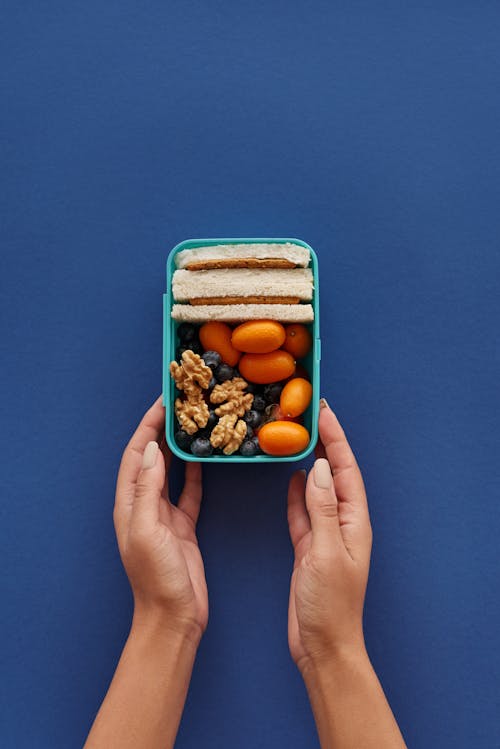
371, 130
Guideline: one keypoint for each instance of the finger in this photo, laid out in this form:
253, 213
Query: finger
348, 482
149, 429
319, 449
298, 519
148, 488
293, 624
167, 456
322, 506
190, 499
167, 453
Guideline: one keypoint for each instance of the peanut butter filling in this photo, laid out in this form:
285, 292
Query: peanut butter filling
245, 300
241, 262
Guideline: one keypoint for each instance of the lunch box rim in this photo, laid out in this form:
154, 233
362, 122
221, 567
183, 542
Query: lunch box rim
169, 354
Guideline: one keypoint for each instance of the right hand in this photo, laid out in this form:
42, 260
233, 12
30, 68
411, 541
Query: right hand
331, 535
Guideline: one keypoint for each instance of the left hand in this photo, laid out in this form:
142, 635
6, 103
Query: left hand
157, 540
332, 537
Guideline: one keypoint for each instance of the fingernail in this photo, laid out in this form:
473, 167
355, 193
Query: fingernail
322, 474
149, 457
323, 403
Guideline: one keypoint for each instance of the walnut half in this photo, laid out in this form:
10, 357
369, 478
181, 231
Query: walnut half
191, 414
236, 401
229, 433
191, 371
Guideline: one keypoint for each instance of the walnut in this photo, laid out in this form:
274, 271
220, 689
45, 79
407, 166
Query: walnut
191, 413
191, 371
236, 401
191, 376
230, 432
192, 390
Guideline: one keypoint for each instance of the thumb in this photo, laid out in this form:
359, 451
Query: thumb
322, 506
150, 482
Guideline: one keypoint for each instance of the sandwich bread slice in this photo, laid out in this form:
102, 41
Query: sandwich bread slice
252, 255
239, 312
243, 285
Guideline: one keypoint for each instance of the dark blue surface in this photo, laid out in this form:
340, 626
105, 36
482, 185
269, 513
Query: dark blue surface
371, 131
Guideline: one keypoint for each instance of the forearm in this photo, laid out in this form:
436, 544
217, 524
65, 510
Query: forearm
349, 705
144, 703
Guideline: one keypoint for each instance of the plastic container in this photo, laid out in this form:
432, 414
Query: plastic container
311, 362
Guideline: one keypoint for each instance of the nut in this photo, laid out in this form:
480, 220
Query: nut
190, 376
230, 432
236, 401
191, 371
191, 414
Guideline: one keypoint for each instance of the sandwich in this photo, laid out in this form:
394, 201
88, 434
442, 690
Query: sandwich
234, 282
243, 286
253, 255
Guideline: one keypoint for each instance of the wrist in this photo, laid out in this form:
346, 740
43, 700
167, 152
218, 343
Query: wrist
160, 626
320, 668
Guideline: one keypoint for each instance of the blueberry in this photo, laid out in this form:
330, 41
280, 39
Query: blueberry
179, 351
212, 359
196, 347
192, 346
252, 418
212, 420
212, 383
272, 392
203, 433
201, 447
259, 403
249, 434
252, 387
187, 332
255, 440
183, 439
250, 447
224, 372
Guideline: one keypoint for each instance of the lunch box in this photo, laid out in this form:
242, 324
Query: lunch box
311, 362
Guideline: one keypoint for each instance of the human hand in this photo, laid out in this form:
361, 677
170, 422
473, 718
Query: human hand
157, 540
331, 535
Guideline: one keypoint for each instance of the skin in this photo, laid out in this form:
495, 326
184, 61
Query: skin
331, 535
160, 553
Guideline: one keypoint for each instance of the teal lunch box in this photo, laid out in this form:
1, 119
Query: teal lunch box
170, 342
